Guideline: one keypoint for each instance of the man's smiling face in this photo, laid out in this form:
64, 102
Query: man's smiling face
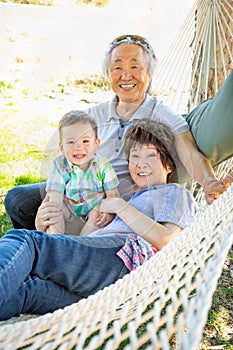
128, 73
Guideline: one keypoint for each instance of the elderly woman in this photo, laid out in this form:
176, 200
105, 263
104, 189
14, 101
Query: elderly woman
42, 272
129, 65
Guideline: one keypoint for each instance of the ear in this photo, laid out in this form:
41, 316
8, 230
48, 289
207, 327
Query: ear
97, 143
168, 168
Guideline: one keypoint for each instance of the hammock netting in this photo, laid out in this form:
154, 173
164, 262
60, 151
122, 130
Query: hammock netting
200, 58
163, 304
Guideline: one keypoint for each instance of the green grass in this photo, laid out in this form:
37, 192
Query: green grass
22, 152
4, 86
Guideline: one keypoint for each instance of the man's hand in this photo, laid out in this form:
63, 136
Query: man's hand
227, 181
215, 188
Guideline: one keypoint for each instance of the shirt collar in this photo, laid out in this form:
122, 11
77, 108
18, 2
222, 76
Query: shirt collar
144, 111
71, 167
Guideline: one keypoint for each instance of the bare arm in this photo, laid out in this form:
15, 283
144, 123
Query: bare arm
158, 235
112, 193
198, 166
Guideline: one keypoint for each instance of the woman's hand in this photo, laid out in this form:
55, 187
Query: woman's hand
48, 214
104, 219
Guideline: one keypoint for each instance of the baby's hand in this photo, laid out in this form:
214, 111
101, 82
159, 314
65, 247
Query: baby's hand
104, 219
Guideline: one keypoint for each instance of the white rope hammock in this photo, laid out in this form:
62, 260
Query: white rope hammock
135, 312
200, 58
187, 271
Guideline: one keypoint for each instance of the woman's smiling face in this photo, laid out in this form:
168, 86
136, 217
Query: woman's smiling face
145, 166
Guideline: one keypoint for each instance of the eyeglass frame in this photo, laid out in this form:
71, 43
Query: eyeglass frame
137, 39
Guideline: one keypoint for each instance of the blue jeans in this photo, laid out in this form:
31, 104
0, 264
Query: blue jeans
22, 203
40, 273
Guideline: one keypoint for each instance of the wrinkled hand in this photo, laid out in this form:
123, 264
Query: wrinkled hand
215, 188
227, 181
47, 214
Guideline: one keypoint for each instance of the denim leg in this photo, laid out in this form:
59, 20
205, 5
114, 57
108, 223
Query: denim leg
36, 296
17, 255
22, 203
82, 265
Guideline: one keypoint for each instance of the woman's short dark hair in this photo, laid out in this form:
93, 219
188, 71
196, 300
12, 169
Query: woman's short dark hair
150, 132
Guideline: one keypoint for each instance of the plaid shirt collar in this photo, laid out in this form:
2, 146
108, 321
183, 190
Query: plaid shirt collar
72, 167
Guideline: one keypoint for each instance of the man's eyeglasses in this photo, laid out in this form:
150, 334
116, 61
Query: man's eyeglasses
137, 39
